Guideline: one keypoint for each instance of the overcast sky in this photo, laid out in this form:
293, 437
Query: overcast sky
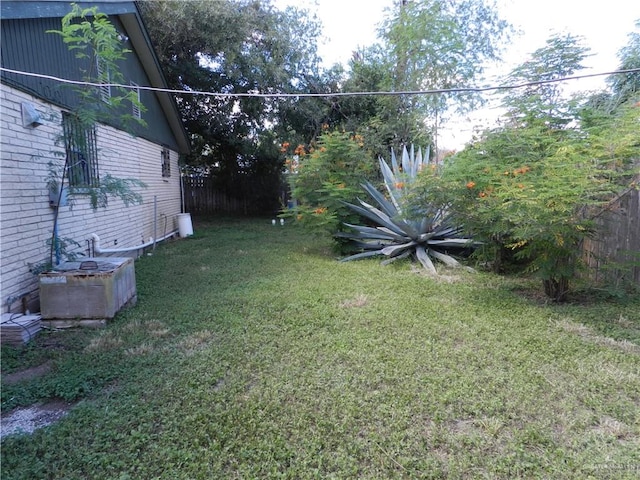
604, 24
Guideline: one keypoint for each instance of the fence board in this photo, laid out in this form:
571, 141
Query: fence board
614, 254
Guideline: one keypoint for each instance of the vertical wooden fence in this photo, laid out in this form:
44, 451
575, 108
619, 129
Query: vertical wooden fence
614, 254
201, 197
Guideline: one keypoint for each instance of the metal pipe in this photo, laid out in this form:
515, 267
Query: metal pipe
182, 192
155, 220
56, 241
152, 241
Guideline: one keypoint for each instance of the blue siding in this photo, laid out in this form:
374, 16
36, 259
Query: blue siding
26, 46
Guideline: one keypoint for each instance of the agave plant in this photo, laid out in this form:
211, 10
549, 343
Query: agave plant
430, 236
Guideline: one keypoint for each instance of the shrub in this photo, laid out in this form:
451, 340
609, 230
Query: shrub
323, 177
532, 190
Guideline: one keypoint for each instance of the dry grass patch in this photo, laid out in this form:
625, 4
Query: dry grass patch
142, 349
103, 342
623, 321
610, 427
588, 334
358, 301
196, 342
157, 329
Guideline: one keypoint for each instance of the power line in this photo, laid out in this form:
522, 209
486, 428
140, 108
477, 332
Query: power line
335, 94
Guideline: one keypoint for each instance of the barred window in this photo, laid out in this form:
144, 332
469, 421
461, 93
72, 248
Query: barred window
166, 162
81, 151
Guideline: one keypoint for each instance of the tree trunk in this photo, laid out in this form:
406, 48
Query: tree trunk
556, 288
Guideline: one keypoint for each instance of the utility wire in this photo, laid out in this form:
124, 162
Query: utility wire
336, 94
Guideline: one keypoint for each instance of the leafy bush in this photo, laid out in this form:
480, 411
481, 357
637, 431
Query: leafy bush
325, 177
532, 191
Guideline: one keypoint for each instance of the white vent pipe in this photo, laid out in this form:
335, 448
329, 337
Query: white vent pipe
97, 249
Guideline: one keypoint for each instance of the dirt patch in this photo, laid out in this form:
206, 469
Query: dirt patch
27, 374
27, 420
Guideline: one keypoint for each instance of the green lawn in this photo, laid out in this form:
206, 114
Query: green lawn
252, 353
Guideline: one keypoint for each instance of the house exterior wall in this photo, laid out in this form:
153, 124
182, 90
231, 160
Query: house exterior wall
26, 218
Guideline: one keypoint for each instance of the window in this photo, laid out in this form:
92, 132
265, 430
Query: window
104, 77
136, 106
166, 162
81, 151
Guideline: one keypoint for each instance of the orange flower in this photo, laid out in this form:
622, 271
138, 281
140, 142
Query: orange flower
299, 150
482, 194
521, 186
400, 185
320, 210
470, 185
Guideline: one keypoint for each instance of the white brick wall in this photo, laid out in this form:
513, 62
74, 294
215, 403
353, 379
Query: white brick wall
26, 219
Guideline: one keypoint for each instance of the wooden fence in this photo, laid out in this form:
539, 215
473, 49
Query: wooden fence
614, 254
201, 197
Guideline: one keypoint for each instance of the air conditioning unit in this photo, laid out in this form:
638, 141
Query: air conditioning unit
87, 292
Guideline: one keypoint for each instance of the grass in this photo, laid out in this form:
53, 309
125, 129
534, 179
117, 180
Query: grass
252, 353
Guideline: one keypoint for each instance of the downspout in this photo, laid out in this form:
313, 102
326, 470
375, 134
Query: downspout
182, 192
155, 220
56, 240
98, 250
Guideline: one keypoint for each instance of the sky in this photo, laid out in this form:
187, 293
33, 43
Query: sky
604, 24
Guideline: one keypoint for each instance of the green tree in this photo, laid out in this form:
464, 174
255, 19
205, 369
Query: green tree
379, 119
240, 47
93, 38
530, 186
437, 44
627, 85
424, 44
601, 106
542, 101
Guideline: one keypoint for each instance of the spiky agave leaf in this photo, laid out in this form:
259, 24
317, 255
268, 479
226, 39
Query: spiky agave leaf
379, 233
423, 258
387, 207
399, 176
394, 250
